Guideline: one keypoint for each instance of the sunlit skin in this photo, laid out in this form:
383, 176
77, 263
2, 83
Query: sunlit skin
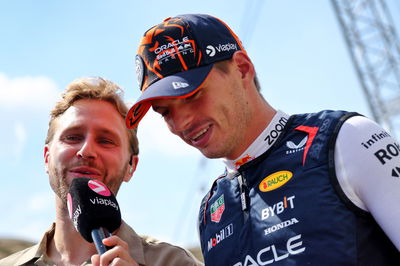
90, 140
224, 116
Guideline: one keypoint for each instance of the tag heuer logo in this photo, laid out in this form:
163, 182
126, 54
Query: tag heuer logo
217, 209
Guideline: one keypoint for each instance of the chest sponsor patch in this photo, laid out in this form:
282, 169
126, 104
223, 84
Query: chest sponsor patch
217, 209
275, 180
220, 236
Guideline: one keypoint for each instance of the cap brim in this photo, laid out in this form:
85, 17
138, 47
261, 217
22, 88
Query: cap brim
179, 85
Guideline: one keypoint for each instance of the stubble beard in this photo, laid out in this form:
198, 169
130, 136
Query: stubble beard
60, 186
233, 137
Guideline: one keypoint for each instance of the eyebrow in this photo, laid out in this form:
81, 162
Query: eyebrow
104, 131
108, 132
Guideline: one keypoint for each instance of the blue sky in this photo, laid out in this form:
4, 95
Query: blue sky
297, 48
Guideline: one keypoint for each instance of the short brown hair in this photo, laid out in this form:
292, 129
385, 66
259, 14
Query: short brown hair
95, 88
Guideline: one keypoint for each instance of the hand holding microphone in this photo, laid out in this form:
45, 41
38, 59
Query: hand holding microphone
95, 213
93, 210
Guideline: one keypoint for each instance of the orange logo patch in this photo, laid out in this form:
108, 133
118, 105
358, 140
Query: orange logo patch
275, 180
243, 160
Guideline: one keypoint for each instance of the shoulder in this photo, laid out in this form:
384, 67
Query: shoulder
23, 257
359, 139
359, 123
364, 155
365, 131
163, 253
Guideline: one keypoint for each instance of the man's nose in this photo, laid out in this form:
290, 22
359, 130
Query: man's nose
87, 150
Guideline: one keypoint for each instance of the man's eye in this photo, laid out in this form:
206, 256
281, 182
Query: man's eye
164, 113
106, 141
161, 110
72, 138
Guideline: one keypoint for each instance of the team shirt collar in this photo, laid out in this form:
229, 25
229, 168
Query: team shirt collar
262, 143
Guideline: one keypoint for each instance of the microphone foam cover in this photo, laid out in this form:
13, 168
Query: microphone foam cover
92, 205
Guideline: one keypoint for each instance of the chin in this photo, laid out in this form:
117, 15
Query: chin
212, 154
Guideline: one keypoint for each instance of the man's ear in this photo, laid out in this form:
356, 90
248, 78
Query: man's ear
244, 65
46, 155
131, 167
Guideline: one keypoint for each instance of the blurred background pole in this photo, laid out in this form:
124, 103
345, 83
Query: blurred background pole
372, 41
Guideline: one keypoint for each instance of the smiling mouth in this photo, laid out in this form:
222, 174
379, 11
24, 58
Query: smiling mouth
199, 135
86, 173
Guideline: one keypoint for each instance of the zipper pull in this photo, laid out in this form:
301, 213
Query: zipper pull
244, 193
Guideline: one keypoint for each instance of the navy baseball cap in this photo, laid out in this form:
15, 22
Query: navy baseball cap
175, 57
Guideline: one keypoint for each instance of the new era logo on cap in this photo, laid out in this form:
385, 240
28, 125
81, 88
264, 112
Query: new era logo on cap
179, 85
175, 57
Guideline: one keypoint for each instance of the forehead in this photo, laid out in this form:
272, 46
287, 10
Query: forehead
92, 114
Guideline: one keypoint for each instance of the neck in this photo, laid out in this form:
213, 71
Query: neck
68, 247
262, 143
259, 117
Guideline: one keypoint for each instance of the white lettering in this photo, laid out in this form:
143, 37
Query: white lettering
278, 208
261, 252
171, 45
280, 226
179, 85
105, 202
75, 216
226, 47
223, 234
250, 259
290, 247
276, 256
290, 199
293, 247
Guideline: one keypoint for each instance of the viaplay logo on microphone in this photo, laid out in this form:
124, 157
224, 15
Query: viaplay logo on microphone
74, 215
105, 198
99, 188
70, 207
102, 190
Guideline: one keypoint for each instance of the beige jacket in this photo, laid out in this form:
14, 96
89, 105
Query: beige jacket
145, 250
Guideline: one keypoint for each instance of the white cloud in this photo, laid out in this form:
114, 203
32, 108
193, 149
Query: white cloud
20, 139
155, 136
24, 103
36, 93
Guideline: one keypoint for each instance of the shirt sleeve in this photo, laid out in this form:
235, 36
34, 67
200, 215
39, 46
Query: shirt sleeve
367, 164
